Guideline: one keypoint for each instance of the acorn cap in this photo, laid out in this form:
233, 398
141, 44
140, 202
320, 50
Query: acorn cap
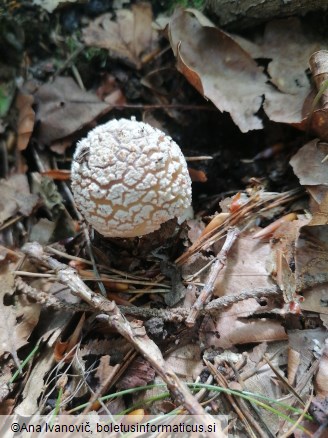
128, 178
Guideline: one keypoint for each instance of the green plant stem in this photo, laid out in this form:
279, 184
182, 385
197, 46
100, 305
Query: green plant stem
23, 364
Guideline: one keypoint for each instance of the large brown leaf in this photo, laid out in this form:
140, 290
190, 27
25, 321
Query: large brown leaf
129, 36
63, 108
219, 69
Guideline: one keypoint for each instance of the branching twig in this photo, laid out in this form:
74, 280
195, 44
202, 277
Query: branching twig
177, 314
216, 268
133, 332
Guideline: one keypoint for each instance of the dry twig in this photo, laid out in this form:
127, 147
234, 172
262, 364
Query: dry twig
177, 314
134, 332
216, 268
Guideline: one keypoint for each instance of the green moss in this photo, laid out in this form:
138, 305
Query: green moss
197, 4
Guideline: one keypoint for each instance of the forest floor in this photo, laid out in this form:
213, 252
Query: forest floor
224, 314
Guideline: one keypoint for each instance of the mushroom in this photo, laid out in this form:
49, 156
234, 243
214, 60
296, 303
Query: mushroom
129, 178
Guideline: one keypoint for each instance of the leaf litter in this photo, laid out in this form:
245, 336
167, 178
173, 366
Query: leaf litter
252, 315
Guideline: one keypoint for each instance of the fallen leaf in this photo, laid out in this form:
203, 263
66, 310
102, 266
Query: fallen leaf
311, 256
318, 118
186, 362
308, 163
65, 351
321, 378
197, 175
15, 197
34, 386
307, 343
17, 321
26, 119
264, 380
283, 257
286, 108
104, 368
246, 269
130, 37
63, 108
110, 92
219, 69
139, 373
289, 45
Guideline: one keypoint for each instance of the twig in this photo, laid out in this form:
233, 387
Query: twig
179, 106
222, 382
300, 419
216, 268
178, 314
134, 332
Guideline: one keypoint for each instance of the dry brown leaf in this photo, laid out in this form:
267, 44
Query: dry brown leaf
186, 362
245, 270
321, 378
218, 68
139, 373
26, 119
197, 175
311, 256
311, 168
316, 301
318, 122
283, 257
15, 197
264, 381
34, 386
65, 351
289, 46
308, 164
104, 368
129, 37
63, 108
306, 343
246, 267
286, 108
17, 321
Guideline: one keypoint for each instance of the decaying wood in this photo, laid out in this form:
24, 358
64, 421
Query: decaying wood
247, 13
134, 332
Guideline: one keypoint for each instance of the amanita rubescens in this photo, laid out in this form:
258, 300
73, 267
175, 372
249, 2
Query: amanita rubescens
128, 178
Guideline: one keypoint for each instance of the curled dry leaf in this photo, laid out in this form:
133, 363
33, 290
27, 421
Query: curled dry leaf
26, 118
319, 118
218, 68
130, 37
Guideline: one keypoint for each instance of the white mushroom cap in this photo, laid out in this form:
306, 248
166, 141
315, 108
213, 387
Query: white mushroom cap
128, 178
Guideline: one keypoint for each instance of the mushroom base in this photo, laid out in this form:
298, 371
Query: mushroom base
123, 253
